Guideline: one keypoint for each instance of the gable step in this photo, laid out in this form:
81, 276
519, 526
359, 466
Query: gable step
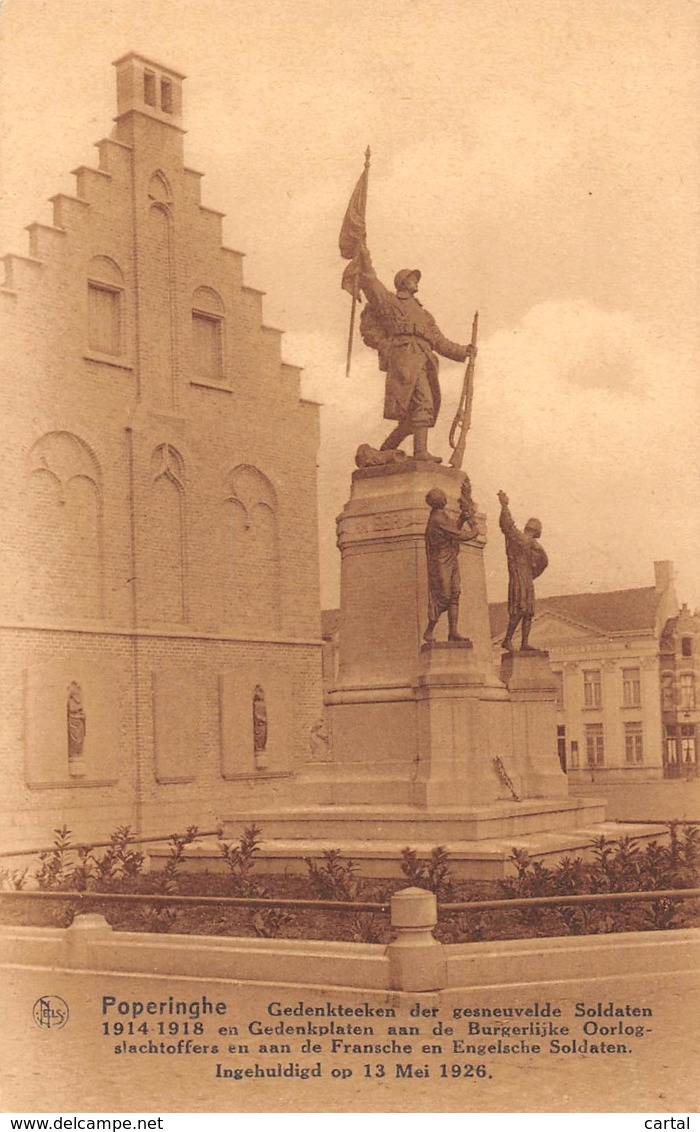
89, 181
42, 238
67, 209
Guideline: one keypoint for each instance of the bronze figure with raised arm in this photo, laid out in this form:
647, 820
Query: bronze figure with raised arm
526, 561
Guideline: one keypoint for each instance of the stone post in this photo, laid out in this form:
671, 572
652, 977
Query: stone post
87, 929
416, 959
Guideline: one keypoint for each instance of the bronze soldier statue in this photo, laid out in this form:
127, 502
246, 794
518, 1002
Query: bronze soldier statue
442, 539
408, 341
526, 561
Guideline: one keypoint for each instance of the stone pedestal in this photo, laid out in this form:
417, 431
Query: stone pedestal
461, 730
532, 690
431, 745
415, 724
383, 587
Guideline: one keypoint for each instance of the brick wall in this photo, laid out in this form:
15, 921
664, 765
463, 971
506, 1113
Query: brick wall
159, 511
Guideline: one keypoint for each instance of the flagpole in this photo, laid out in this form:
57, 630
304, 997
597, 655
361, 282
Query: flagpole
356, 284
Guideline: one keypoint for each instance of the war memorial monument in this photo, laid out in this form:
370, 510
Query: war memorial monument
428, 743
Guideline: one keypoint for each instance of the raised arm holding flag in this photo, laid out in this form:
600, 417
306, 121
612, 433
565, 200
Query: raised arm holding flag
353, 236
406, 337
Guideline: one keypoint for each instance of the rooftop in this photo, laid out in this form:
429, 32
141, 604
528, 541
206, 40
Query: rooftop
617, 611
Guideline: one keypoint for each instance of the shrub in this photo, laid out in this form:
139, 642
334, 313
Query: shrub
616, 866
433, 873
13, 880
335, 879
119, 863
166, 880
54, 871
241, 860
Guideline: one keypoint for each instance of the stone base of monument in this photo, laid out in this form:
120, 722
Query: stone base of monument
450, 760
430, 744
375, 838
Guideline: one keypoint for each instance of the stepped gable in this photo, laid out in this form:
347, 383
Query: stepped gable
141, 175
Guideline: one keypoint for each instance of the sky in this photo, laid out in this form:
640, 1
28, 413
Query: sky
538, 161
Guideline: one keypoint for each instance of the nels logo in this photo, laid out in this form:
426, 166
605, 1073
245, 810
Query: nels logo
50, 1012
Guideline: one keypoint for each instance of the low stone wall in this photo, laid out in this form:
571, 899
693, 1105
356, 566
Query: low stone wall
414, 961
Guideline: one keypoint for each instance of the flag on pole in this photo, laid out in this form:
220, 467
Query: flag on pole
352, 233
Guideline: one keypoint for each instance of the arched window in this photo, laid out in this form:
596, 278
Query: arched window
105, 306
159, 188
207, 336
251, 600
164, 538
64, 528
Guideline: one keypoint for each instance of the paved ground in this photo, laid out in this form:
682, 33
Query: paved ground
76, 1069
646, 801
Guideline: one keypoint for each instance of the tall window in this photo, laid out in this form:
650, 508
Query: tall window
688, 742
686, 646
631, 687
667, 692
561, 745
671, 747
149, 88
687, 690
634, 746
595, 744
592, 693
63, 532
105, 303
166, 96
574, 754
207, 336
250, 553
559, 677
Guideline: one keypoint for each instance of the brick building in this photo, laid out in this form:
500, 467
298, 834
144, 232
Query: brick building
160, 611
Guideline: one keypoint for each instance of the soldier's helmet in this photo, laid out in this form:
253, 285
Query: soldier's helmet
403, 275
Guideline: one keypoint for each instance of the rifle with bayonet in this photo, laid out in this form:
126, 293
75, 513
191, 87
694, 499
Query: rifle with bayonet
463, 416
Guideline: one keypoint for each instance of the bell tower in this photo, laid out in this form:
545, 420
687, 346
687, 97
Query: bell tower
144, 87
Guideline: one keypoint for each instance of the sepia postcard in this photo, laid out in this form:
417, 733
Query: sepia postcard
350, 485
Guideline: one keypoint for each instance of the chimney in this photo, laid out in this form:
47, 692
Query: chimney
148, 88
663, 576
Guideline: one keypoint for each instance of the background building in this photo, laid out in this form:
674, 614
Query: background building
680, 673
160, 610
612, 654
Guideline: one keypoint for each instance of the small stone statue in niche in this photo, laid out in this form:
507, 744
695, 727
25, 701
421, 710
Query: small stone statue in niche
259, 727
76, 723
320, 741
526, 561
442, 539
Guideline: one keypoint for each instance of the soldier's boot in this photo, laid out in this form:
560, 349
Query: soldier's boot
452, 619
420, 446
395, 437
507, 642
525, 646
429, 634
